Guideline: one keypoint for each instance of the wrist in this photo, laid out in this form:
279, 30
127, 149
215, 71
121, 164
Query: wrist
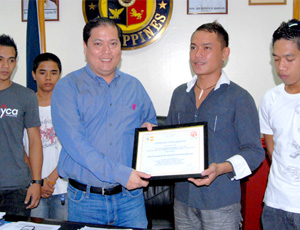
41, 182
50, 181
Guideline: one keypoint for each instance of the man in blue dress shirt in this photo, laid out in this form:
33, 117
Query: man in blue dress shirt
95, 111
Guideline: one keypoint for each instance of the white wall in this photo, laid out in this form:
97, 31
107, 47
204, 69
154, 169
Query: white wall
164, 64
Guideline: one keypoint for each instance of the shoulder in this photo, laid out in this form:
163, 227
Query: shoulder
129, 79
179, 89
234, 87
21, 91
271, 94
71, 80
238, 92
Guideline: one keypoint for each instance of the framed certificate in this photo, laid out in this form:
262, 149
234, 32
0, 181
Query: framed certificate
207, 6
172, 152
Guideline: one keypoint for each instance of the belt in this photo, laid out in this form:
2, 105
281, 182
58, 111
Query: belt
103, 191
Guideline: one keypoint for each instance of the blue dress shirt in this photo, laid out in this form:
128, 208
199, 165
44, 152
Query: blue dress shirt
95, 122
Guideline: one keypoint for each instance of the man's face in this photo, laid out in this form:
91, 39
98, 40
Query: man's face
103, 51
206, 53
287, 61
46, 76
7, 62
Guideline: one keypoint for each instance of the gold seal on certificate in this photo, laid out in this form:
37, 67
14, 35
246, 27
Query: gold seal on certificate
171, 152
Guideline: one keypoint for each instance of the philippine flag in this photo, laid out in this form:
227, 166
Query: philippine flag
35, 31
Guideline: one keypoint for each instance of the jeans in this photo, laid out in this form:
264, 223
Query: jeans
189, 218
12, 202
126, 209
277, 219
52, 208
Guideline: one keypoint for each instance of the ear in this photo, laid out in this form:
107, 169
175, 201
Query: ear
33, 75
226, 52
84, 47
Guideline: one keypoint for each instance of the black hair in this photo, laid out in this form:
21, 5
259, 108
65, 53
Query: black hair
46, 57
288, 30
218, 29
100, 21
6, 40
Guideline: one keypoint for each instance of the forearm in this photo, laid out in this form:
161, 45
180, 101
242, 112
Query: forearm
35, 153
53, 176
269, 145
36, 162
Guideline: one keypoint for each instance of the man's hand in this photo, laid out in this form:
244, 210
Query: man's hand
33, 193
47, 189
213, 171
148, 126
136, 180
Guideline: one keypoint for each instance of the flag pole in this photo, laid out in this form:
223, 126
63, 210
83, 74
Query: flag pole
41, 18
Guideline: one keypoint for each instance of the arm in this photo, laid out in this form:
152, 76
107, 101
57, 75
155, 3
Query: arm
251, 152
136, 178
244, 136
269, 145
49, 184
36, 161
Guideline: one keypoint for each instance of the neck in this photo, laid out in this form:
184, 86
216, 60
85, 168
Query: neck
205, 81
44, 98
5, 84
293, 89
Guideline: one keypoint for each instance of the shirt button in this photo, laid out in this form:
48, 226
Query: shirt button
110, 104
110, 124
110, 143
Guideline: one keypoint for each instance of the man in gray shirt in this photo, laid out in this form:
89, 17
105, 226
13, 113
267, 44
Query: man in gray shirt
19, 185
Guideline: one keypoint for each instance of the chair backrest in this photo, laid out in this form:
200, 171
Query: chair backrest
159, 197
161, 120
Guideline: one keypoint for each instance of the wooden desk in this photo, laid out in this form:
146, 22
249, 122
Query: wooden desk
65, 225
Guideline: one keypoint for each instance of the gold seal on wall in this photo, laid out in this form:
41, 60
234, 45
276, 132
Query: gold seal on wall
142, 21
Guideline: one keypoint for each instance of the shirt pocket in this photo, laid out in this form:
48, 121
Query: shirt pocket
219, 118
130, 117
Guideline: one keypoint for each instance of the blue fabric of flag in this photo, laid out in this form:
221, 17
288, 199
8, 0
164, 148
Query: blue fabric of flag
32, 42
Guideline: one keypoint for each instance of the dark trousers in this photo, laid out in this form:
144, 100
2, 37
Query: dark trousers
12, 202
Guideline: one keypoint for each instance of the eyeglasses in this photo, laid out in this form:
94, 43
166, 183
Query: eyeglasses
294, 25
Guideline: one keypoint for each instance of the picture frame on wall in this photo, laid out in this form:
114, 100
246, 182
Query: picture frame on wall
207, 7
267, 2
296, 9
51, 8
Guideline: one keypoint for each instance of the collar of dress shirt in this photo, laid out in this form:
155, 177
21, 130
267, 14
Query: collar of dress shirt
222, 80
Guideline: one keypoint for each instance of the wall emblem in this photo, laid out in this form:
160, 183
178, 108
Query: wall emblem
142, 21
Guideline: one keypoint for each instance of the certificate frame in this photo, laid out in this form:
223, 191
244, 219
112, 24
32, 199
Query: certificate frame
201, 7
51, 14
196, 155
267, 2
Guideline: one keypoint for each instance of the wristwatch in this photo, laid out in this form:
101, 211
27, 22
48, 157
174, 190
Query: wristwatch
41, 182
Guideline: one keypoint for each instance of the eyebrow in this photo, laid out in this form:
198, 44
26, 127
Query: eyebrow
286, 55
9, 57
52, 70
202, 44
99, 39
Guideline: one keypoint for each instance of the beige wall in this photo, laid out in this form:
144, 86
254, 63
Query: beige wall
163, 65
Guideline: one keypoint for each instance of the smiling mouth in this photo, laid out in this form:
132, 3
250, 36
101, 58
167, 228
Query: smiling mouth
106, 59
199, 63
